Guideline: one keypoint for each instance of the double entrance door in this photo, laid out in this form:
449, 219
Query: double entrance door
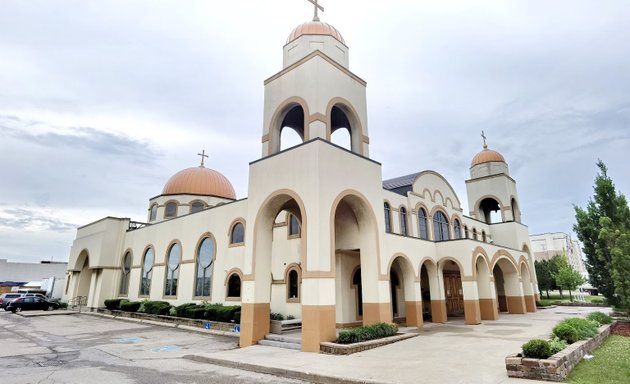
453, 293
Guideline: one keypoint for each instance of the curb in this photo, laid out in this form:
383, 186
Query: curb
46, 313
186, 328
286, 373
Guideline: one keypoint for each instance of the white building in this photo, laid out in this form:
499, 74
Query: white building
547, 245
320, 236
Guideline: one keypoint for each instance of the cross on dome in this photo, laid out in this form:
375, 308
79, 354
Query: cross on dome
203, 155
316, 6
484, 139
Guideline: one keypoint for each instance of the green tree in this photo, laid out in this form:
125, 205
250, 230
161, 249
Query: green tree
618, 242
568, 278
605, 203
546, 281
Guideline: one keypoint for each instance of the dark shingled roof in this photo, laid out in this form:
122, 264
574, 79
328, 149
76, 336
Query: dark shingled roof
400, 185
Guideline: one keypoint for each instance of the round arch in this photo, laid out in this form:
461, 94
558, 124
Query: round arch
340, 112
296, 122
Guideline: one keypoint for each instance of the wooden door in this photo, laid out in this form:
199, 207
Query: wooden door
453, 293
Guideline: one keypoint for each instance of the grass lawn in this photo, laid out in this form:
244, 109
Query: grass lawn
611, 364
554, 298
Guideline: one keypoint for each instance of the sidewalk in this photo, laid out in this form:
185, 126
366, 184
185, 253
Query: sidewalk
443, 353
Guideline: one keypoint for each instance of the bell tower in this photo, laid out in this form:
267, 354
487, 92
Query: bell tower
315, 93
492, 196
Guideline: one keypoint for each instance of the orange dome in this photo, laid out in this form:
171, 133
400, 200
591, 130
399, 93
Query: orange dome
486, 156
315, 28
199, 181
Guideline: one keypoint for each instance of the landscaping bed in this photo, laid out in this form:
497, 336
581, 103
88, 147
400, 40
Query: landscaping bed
348, 349
553, 360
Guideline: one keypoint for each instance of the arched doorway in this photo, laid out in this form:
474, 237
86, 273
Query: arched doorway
453, 289
433, 307
528, 291
85, 276
256, 284
356, 256
406, 303
508, 287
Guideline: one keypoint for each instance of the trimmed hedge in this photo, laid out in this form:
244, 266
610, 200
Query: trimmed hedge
113, 304
368, 332
537, 349
156, 307
566, 332
130, 306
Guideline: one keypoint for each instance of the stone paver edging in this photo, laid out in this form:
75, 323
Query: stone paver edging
348, 349
290, 373
558, 366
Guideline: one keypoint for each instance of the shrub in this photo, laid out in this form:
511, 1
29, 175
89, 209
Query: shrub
130, 306
575, 328
113, 304
290, 317
537, 349
182, 310
172, 311
368, 332
557, 345
585, 328
63, 305
157, 307
276, 316
566, 332
600, 317
196, 312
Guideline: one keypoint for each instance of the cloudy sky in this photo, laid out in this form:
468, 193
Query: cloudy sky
102, 101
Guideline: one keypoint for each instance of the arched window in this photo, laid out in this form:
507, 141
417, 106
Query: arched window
234, 286
423, 228
465, 231
403, 221
457, 229
153, 212
483, 236
172, 270
388, 218
238, 234
293, 285
291, 131
197, 206
294, 226
440, 227
475, 234
147, 272
205, 260
170, 210
126, 270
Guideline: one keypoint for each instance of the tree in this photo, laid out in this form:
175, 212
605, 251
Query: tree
568, 278
605, 203
619, 243
544, 275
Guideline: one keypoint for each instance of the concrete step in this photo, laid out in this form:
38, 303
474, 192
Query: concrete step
279, 344
283, 339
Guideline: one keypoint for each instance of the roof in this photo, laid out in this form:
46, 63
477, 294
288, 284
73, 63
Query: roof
401, 184
315, 28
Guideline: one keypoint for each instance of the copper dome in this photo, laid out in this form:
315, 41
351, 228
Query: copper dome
315, 28
486, 156
199, 181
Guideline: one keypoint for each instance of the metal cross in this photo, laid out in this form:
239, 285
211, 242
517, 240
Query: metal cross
484, 139
314, 2
202, 154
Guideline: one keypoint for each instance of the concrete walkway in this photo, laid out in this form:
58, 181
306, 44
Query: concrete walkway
443, 353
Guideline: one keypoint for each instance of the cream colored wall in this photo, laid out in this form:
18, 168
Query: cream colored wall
316, 92
183, 204
306, 44
501, 187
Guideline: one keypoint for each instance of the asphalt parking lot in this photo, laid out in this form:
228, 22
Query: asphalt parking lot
90, 349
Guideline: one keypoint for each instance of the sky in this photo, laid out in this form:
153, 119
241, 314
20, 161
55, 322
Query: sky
102, 101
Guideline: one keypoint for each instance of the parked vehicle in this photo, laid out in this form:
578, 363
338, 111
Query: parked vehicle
5, 298
27, 303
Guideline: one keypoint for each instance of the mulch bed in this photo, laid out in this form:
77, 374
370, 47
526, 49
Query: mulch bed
621, 328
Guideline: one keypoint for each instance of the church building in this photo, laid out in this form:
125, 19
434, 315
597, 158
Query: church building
320, 235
